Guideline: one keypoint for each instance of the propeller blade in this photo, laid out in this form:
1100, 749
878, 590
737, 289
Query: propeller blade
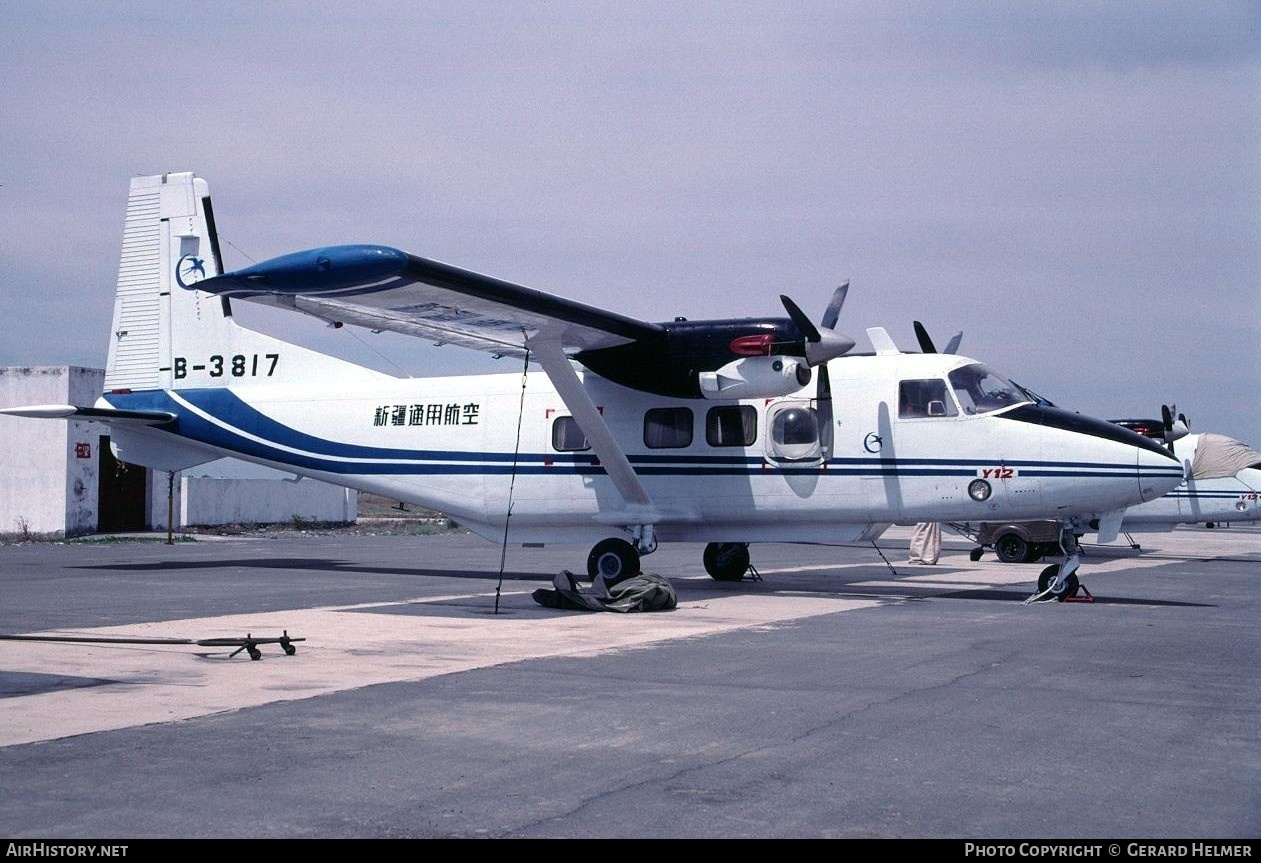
823, 384
921, 335
807, 327
823, 404
1179, 430
926, 343
833, 312
1173, 430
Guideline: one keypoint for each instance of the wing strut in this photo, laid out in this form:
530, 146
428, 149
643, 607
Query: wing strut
640, 511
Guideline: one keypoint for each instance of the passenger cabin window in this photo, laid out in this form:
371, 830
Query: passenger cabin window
795, 434
668, 428
925, 398
734, 425
567, 437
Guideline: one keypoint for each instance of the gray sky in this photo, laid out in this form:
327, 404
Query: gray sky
1076, 185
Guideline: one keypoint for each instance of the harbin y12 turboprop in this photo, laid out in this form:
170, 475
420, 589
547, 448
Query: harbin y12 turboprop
726, 432
1223, 477
1223, 484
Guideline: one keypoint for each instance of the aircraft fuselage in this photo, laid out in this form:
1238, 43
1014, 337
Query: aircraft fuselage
739, 471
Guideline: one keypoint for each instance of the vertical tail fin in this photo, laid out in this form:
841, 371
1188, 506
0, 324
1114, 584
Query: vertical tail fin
168, 243
169, 335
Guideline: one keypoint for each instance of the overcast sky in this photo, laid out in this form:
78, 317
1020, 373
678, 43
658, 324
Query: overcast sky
1076, 185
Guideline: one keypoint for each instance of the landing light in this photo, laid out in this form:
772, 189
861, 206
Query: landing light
979, 490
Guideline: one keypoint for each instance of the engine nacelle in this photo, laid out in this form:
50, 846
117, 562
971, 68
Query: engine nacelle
755, 377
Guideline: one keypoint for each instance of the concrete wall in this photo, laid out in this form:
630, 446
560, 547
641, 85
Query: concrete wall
212, 500
83, 441
231, 491
156, 498
46, 484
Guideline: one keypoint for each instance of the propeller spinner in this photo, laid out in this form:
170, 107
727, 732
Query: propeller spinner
821, 344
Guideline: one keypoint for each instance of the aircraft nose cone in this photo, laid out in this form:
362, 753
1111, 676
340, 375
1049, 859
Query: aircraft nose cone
1251, 477
1158, 473
1123, 467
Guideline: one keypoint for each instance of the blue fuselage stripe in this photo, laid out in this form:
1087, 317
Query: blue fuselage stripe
234, 417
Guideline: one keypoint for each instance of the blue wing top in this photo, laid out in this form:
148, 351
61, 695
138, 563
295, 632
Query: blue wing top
386, 289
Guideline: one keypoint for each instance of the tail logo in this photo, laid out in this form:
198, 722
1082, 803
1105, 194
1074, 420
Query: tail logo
190, 270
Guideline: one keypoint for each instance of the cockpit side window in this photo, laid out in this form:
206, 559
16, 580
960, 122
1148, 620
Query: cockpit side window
925, 398
981, 390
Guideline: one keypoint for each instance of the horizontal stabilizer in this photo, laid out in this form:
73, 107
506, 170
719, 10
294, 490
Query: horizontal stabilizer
105, 415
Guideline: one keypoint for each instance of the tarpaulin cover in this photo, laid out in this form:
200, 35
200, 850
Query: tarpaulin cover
643, 592
1217, 455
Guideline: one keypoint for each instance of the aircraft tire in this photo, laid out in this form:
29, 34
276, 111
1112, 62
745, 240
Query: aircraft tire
726, 561
1010, 548
615, 559
1070, 584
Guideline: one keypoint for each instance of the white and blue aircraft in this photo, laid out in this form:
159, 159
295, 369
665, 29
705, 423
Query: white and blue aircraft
727, 432
1223, 478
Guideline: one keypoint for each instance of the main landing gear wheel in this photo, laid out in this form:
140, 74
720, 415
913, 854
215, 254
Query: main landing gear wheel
1068, 589
615, 559
1010, 548
726, 561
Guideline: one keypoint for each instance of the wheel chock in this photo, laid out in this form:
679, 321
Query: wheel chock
1082, 595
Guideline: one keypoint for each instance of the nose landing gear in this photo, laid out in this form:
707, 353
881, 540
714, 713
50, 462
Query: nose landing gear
1059, 581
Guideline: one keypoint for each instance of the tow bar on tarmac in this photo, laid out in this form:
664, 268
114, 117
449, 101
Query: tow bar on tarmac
249, 643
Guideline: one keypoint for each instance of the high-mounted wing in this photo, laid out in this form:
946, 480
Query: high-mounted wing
383, 288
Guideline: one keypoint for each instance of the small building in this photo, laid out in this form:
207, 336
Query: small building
61, 478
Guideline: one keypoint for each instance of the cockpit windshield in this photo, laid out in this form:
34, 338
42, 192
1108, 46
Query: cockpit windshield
981, 390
